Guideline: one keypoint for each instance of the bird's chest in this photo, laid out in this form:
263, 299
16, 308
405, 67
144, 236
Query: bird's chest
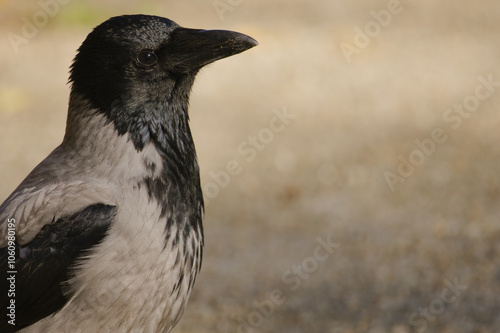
142, 274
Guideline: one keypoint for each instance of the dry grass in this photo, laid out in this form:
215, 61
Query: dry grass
323, 175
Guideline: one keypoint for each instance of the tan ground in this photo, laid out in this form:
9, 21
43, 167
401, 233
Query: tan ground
421, 257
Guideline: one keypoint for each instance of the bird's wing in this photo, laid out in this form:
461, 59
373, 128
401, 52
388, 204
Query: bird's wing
30, 208
55, 216
43, 265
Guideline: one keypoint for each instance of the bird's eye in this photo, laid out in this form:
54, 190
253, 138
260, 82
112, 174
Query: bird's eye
147, 58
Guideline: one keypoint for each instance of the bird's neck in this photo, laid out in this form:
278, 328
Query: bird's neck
162, 131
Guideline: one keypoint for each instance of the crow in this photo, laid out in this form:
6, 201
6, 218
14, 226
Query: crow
105, 234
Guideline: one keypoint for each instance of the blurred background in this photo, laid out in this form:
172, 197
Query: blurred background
350, 162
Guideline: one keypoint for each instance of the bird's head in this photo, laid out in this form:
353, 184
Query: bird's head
138, 70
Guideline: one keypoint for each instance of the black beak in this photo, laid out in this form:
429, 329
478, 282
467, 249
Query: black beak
190, 49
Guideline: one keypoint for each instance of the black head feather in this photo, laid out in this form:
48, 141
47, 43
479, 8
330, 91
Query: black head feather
139, 70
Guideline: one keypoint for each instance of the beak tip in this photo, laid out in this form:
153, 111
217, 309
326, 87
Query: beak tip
243, 42
252, 42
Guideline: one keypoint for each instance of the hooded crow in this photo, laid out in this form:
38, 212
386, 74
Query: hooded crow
105, 234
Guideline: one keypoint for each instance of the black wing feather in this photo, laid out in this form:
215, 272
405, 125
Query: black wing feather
43, 265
